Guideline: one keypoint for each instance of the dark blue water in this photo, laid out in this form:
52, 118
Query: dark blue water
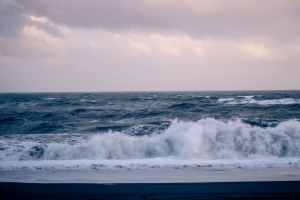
136, 130
139, 113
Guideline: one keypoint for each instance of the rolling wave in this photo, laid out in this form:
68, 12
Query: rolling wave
205, 139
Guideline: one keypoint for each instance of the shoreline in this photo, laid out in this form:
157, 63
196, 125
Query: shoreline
152, 184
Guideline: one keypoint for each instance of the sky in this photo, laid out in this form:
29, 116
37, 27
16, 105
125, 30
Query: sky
149, 45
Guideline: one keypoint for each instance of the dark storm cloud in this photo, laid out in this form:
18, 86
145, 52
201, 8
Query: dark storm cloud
271, 18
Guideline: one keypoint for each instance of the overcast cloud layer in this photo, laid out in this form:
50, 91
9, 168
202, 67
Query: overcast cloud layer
154, 45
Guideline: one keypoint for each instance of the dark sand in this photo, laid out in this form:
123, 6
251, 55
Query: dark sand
152, 184
216, 190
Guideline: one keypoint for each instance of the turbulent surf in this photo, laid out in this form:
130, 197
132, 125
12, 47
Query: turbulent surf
149, 130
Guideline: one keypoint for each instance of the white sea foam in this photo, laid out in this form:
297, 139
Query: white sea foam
149, 164
247, 97
225, 100
205, 139
250, 100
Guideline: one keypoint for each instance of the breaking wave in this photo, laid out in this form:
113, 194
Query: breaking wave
250, 100
205, 139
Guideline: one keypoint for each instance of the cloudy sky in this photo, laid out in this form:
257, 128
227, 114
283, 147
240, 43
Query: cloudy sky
149, 45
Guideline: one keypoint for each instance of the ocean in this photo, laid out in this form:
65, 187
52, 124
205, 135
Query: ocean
149, 130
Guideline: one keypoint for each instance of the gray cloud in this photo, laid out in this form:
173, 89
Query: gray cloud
14, 16
11, 19
229, 18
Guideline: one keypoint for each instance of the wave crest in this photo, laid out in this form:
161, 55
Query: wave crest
250, 100
204, 139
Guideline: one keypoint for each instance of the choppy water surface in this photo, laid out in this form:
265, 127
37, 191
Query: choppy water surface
149, 130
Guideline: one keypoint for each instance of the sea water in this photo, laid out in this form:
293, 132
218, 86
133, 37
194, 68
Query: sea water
149, 130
